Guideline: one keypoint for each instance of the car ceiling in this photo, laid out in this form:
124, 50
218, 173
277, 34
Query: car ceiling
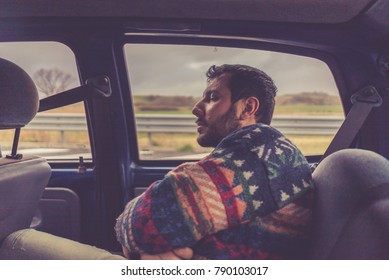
297, 11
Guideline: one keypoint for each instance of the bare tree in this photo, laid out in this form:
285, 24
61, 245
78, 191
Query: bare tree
52, 81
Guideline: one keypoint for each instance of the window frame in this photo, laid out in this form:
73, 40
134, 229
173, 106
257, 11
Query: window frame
252, 43
60, 163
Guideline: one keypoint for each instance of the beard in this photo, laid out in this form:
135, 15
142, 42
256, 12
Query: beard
219, 128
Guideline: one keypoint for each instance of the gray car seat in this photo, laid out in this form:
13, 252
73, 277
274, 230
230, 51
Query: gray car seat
22, 178
352, 206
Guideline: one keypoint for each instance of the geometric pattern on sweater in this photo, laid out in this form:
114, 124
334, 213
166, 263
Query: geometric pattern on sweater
283, 234
253, 172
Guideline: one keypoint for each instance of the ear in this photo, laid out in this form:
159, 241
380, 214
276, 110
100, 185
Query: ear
251, 106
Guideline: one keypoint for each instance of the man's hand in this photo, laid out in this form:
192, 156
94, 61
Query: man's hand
176, 254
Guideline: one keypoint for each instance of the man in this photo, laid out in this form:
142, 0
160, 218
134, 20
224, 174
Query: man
249, 199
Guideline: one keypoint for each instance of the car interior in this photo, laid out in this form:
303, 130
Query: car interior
23, 179
126, 58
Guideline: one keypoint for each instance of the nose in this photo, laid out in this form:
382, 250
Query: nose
197, 109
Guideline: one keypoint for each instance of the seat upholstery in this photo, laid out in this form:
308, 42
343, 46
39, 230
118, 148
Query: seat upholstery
352, 206
22, 179
21, 185
30, 244
18, 95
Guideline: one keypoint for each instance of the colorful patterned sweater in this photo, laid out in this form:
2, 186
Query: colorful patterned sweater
249, 199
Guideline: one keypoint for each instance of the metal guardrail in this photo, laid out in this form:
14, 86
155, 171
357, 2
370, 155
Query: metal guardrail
317, 125
62, 122
310, 125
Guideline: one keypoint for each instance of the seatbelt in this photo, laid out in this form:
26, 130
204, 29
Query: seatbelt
99, 86
363, 102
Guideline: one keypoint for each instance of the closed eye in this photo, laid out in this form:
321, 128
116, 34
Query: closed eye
214, 96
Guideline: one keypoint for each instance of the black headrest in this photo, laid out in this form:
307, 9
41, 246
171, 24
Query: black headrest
19, 100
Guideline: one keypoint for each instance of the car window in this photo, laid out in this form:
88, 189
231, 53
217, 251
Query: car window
167, 80
59, 134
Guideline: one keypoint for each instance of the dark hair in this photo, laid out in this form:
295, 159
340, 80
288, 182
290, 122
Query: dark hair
246, 81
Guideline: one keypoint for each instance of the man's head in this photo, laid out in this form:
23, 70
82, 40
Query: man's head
236, 96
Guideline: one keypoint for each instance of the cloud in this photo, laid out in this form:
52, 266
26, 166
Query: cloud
169, 69
180, 69
32, 56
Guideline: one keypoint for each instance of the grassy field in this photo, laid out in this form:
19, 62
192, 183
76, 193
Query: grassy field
186, 143
309, 144
318, 110
173, 143
46, 139
323, 110
295, 109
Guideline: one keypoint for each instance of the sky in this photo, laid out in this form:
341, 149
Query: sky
179, 70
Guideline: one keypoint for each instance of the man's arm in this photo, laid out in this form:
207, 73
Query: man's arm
185, 206
200, 199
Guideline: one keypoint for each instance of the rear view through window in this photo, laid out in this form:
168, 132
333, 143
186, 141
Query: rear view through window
59, 134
